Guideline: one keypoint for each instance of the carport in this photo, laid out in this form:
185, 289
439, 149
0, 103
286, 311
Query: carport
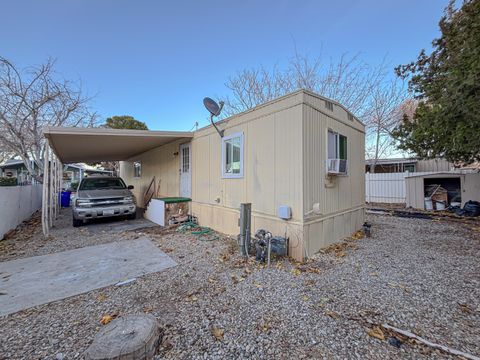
68, 145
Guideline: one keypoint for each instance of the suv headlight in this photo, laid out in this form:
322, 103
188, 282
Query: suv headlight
128, 200
83, 203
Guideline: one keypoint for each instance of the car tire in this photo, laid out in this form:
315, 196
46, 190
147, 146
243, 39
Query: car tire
132, 216
76, 222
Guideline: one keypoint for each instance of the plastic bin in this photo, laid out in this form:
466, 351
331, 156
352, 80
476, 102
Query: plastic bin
428, 203
65, 198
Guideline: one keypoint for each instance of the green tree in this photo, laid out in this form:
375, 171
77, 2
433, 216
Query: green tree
446, 122
125, 122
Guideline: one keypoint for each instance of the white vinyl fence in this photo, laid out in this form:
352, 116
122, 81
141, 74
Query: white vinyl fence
18, 203
385, 188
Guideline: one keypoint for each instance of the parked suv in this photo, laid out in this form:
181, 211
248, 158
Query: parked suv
99, 197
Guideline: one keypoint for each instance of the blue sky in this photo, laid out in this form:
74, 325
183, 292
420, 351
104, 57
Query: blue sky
156, 60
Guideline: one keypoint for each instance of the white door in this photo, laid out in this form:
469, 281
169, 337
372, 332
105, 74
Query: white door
185, 170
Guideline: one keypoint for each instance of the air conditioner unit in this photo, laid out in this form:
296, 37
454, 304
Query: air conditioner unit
336, 166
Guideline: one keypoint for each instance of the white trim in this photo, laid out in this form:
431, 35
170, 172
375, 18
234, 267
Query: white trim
337, 151
187, 145
242, 140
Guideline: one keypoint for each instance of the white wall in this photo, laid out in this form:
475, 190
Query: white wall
18, 203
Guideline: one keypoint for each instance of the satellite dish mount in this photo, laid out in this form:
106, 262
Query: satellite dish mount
215, 110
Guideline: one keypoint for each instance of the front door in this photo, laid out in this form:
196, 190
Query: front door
185, 170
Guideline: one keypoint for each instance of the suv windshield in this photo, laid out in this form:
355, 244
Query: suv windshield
104, 183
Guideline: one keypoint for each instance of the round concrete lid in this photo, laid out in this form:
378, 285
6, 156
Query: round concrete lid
129, 337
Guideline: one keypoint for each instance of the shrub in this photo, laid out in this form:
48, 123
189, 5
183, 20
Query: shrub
8, 181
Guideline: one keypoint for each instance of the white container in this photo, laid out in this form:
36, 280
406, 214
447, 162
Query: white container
284, 212
455, 203
428, 203
440, 205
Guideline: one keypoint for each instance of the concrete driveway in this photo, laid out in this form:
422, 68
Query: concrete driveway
37, 280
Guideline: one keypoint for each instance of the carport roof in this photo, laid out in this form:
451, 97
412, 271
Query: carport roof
101, 144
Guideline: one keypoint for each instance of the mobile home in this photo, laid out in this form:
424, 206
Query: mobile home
299, 160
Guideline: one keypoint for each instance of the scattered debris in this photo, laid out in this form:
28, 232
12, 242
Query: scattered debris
126, 282
106, 319
423, 341
218, 333
376, 332
395, 341
334, 315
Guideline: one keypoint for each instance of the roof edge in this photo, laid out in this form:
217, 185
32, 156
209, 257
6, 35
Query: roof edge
51, 130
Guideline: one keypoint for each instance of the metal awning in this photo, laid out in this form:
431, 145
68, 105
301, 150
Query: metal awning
100, 144
70, 145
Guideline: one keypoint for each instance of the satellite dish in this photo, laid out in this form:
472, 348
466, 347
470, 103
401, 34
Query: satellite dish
215, 110
212, 106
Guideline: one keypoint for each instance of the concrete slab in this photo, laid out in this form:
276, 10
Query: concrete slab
114, 225
42, 279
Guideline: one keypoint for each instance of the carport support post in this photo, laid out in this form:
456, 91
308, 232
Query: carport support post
50, 192
45, 191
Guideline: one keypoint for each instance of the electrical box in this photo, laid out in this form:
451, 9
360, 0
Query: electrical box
284, 212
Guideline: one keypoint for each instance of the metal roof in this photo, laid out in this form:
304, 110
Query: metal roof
100, 144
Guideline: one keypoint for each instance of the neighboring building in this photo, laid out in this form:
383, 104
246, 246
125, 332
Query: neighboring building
395, 165
301, 152
15, 169
71, 173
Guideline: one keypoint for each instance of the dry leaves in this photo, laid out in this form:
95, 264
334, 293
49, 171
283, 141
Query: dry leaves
224, 257
465, 308
376, 332
107, 318
334, 315
401, 286
296, 272
191, 298
218, 333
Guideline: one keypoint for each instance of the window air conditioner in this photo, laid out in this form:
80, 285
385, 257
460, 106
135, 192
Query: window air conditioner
336, 166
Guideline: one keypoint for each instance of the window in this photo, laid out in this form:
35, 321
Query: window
185, 159
329, 105
102, 183
350, 117
232, 156
337, 146
137, 169
409, 167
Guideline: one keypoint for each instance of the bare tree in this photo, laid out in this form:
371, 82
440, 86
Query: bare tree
349, 81
386, 107
367, 91
30, 99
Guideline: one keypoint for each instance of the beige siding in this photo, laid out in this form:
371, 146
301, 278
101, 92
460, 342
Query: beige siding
341, 198
163, 163
433, 165
272, 172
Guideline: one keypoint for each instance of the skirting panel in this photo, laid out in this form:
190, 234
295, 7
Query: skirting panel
326, 231
225, 220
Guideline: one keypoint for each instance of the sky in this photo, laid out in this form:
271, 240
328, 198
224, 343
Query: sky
157, 60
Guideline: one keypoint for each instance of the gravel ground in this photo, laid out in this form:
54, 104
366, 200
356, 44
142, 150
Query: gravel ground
418, 275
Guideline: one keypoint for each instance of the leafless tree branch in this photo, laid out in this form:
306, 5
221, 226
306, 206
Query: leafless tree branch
31, 99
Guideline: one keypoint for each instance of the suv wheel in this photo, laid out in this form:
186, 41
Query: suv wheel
77, 223
132, 216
